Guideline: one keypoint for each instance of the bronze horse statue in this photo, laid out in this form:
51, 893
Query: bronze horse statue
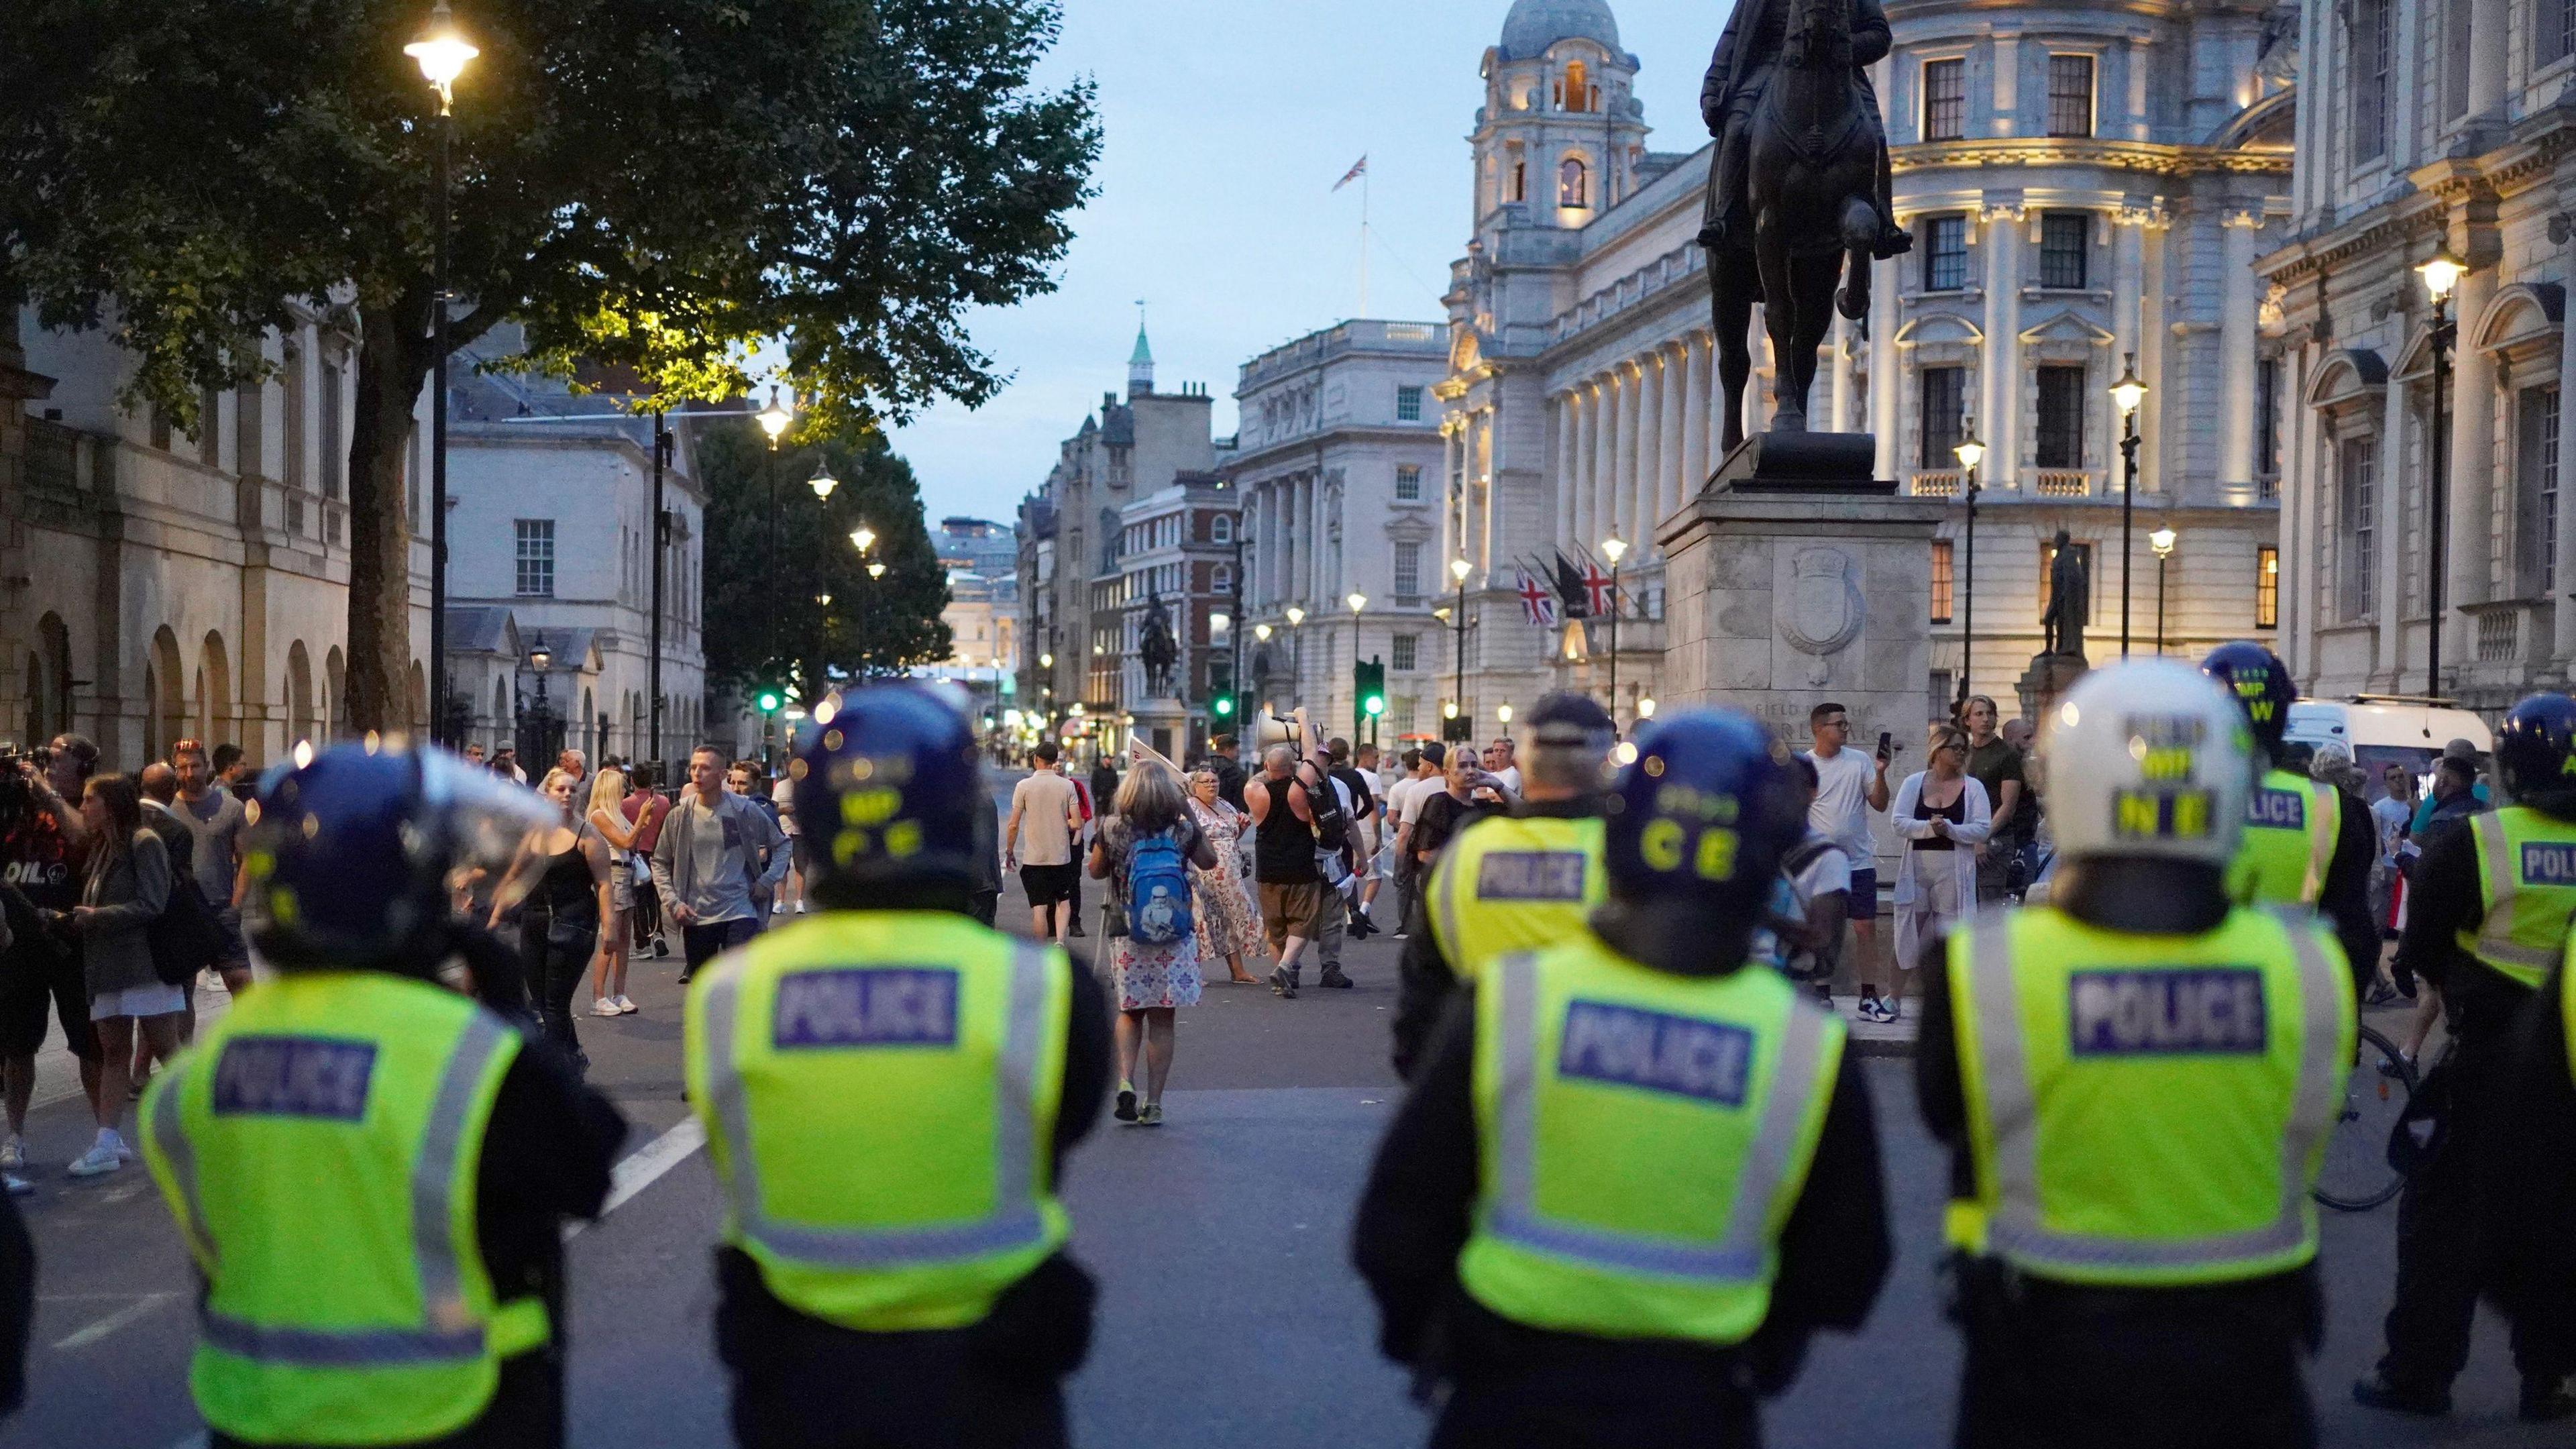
1812, 188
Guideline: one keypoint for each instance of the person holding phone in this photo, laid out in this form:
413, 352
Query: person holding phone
1849, 786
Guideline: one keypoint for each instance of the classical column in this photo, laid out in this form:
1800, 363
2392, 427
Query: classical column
2236, 349
1449, 448
1666, 493
1569, 426
1640, 484
2472, 464
1838, 398
1488, 533
2128, 275
2303, 479
2151, 356
1999, 370
2564, 545
2392, 588
2007, 82
1695, 413
2489, 54
1884, 386
1605, 458
1620, 508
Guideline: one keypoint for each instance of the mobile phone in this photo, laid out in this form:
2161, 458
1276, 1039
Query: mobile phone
1886, 744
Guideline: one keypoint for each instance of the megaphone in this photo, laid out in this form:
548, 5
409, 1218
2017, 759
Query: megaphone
1269, 729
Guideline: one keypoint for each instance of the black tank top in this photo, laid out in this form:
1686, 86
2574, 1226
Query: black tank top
572, 897
1283, 846
1956, 812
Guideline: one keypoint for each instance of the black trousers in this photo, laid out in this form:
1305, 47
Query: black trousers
558, 957
2440, 1261
1581, 1408
2150, 1369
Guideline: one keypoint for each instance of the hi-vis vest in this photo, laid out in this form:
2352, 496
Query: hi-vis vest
2147, 1110
1643, 1139
879, 1092
1515, 884
2527, 889
319, 1147
2291, 826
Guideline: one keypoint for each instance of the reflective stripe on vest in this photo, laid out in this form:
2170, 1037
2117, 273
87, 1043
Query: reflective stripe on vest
1515, 884
2016, 1230
2520, 934
1743, 1254
1016, 1220
2261, 873
433, 1215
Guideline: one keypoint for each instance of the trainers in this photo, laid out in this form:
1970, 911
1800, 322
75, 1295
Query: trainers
2379, 1391
1334, 978
684, 977
101, 1159
15, 1185
661, 948
1399, 936
1150, 1115
124, 1150
13, 1155
1283, 983
624, 1006
602, 1006
1125, 1111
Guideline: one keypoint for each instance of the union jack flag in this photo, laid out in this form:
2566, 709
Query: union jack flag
1538, 606
1357, 171
1596, 590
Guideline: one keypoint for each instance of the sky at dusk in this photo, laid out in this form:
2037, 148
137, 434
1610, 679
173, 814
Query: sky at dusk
1226, 123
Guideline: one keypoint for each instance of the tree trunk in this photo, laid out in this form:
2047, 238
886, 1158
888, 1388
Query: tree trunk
393, 358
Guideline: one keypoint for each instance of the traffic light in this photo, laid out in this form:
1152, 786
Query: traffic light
769, 700
1369, 679
1222, 707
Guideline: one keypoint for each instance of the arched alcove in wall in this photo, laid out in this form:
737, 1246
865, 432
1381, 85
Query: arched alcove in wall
301, 724
215, 713
165, 691
335, 693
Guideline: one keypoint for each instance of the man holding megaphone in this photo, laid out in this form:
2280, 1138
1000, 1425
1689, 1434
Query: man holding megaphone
1296, 814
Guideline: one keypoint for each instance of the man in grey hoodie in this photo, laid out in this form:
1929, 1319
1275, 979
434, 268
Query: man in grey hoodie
708, 863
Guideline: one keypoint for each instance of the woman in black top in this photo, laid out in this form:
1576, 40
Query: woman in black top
565, 902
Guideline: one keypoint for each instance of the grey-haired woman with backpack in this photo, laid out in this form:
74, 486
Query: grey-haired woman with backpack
1145, 852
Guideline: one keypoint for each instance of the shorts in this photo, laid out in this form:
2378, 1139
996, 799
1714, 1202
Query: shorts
1048, 884
24, 987
153, 1000
1292, 909
1863, 900
621, 887
802, 854
236, 953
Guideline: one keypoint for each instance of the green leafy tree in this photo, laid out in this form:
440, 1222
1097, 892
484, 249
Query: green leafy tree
765, 614
662, 185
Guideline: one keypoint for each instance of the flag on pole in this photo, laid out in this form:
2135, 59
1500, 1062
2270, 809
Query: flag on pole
1570, 590
1596, 589
1358, 169
1536, 606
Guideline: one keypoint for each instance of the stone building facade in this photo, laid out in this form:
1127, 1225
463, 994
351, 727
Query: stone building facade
1179, 548
2447, 122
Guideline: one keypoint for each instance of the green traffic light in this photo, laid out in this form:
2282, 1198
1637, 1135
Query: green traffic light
1375, 705
1224, 707
769, 701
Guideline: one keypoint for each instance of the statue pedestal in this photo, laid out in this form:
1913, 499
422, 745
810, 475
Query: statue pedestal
1165, 725
2049, 676
1796, 578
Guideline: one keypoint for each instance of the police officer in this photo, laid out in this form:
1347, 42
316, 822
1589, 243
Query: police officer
370, 1170
2530, 1193
1516, 881
888, 1090
2300, 846
2485, 923
2136, 1081
1633, 1175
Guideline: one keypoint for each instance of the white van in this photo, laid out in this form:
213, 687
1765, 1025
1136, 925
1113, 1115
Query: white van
2384, 731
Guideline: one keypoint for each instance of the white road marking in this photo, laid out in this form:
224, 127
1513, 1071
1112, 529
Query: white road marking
640, 1170
130, 1313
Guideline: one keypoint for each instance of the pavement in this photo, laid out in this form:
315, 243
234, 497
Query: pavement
1230, 1318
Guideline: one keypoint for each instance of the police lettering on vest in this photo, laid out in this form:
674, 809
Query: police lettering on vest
2276, 809
1531, 875
2145, 1013
1514, 884
2526, 892
1627, 1047
287, 1076
866, 1006
2549, 862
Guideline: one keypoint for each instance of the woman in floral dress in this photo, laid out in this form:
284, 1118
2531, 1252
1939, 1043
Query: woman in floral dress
1224, 916
1152, 980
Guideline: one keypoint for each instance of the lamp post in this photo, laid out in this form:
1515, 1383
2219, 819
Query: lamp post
2126, 395
2162, 541
1297, 654
542, 659
774, 420
1459, 568
864, 538
1971, 453
1357, 601
1614, 548
2441, 275
442, 53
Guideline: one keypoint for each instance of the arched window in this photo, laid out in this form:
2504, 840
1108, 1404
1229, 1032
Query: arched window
1578, 86
1573, 183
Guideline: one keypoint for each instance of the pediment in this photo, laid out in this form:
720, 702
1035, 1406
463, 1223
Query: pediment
2347, 373
2068, 326
1939, 327
2522, 314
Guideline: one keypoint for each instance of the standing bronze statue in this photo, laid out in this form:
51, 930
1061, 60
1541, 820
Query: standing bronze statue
2070, 600
1799, 189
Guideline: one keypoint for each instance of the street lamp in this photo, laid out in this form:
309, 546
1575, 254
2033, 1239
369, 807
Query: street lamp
823, 482
1297, 650
773, 420
2441, 275
1503, 712
2162, 541
863, 538
541, 659
442, 52
2126, 395
1970, 453
1459, 568
1646, 708
1614, 548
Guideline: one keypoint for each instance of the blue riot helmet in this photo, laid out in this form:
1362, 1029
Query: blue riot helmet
2260, 684
1697, 825
888, 793
2535, 754
349, 854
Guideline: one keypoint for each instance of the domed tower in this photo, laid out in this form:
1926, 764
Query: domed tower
1561, 135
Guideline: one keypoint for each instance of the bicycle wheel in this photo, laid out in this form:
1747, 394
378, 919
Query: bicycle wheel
2357, 1176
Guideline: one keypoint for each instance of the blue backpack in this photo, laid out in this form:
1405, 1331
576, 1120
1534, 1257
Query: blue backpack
1158, 890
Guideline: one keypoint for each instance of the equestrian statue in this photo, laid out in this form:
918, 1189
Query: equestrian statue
1799, 189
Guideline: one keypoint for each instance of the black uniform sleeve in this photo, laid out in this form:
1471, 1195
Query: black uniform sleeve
1425, 980
1938, 1092
1834, 1250
2345, 899
546, 1155
2442, 900
1086, 1064
2531, 1195
1414, 1213
500, 977
17, 1303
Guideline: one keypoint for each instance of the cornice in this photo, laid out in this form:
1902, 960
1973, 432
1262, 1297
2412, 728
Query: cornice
2148, 157
2385, 227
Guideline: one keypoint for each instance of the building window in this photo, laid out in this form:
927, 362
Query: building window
1943, 389
1520, 181
1942, 582
1407, 652
536, 558
1573, 184
2065, 241
2374, 25
1221, 528
1408, 570
2093, 580
1574, 93
1945, 100
1945, 253
335, 456
2061, 417
2267, 588
2070, 95
1221, 579
2553, 31
1408, 405
2535, 492
2267, 426
2357, 517
1408, 483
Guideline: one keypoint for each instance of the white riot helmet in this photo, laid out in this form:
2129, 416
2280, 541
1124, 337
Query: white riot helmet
2148, 759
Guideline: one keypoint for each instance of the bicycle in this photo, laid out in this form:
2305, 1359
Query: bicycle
2357, 1175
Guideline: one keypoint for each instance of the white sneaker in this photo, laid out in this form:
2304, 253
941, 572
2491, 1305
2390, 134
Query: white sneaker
15, 1185
602, 1006
13, 1155
124, 1150
101, 1159
624, 1006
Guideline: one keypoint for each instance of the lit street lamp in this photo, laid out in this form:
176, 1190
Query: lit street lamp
774, 420
1971, 453
823, 482
442, 52
2126, 395
1297, 651
1459, 568
2162, 541
1614, 549
2441, 275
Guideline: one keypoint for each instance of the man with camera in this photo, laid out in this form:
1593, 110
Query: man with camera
41, 836
1297, 816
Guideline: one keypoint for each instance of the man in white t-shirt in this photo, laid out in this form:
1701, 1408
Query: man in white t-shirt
1849, 785
791, 896
1403, 807
1499, 763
